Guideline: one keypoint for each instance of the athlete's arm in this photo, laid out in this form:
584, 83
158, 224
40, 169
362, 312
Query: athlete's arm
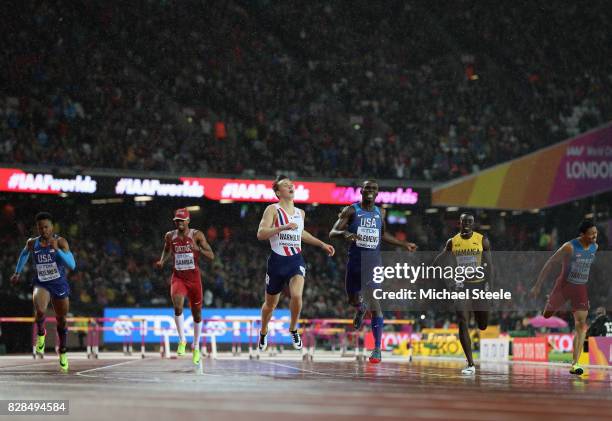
564, 251
203, 246
22, 261
267, 228
166, 252
447, 249
308, 238
63, 252
340, 226
488, 261
389, 239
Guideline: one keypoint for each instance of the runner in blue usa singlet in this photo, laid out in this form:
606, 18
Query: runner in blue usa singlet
363, 225
51, 256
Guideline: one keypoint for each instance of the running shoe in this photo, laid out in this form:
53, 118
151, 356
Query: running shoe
376, 356
180, 351
196, 356
469, 370
263, 342
576, 369
63, 361
40, 344
296, 340
358, 319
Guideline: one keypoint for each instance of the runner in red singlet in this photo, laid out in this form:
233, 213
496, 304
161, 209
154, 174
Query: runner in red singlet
186, 245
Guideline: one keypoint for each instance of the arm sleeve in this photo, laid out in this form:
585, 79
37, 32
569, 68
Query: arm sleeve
23, 259
67, 257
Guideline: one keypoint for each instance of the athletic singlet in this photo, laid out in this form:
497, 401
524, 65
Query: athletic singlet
579, 265
289, 242
368, 226
468, 251
185, 253
48, 268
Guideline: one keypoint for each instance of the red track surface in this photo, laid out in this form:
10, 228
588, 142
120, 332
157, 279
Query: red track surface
236, 389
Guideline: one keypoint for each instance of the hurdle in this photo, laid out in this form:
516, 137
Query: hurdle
50, 319
310, 326
97, 326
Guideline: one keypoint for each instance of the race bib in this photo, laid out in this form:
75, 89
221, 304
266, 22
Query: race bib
47, 271
368, 238
467, 261
184, 261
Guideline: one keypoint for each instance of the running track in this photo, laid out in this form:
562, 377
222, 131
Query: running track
133, 389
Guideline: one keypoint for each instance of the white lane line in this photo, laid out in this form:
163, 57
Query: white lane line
27, 365
80, 373
314, 372
417, 372
136, 378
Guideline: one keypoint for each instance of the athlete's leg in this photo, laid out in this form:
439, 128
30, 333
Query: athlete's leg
352, 283
40, 298
61, 307
296, 288
482, 319
195, 299
377, 321
178, 301
355, 299
196, 312
463, 317
270, 303
377, 328
580, 319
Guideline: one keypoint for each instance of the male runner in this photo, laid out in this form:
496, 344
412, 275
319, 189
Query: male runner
51, 256
576, 257
470, 248
363, 225
283, 224
186, 245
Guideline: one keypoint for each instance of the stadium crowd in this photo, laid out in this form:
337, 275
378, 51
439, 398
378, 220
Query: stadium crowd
395, 89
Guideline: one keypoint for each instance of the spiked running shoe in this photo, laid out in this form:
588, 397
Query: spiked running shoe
358, 319
576, 369
469, 370
196, 356
180, 351
296, 340
376, 356
63, 360
263, 341
40, 344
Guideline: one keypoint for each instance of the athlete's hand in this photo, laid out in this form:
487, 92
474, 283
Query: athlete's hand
535, 291
53, 243
287, 227
351, 236
329, 249
15, 279
410, 247
159, 264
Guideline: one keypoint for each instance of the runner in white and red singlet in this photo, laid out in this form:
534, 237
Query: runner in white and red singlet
283, 225
186, 245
